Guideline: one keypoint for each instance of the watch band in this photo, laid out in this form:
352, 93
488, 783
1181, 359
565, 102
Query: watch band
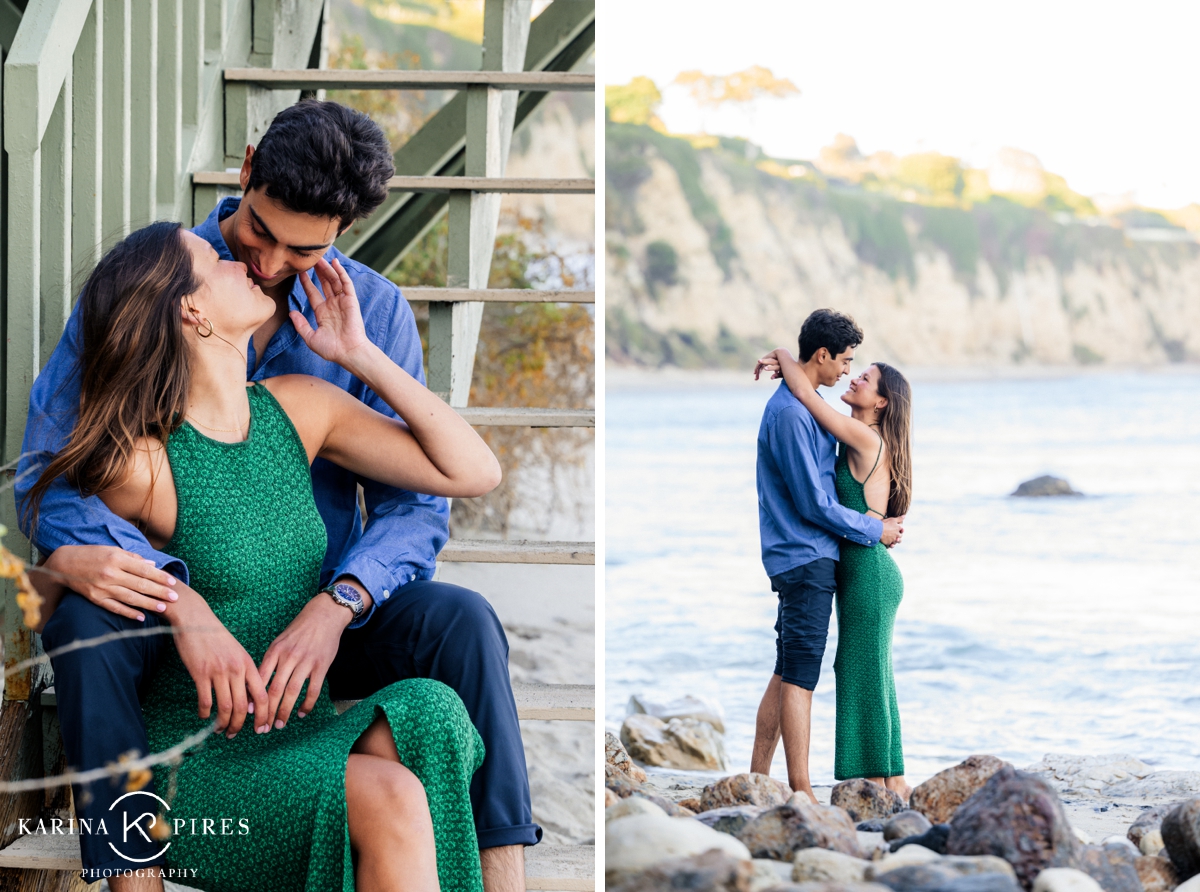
347, 596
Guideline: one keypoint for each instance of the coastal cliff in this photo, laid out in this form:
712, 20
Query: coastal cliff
714, 252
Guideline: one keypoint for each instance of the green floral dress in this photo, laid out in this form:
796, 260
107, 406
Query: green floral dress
268, 811
869, 589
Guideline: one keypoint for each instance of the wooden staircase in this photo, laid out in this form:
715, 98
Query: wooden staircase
118, 112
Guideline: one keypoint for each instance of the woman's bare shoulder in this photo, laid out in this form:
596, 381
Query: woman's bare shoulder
147, 471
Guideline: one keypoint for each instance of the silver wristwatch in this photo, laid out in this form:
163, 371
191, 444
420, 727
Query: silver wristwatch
347, 596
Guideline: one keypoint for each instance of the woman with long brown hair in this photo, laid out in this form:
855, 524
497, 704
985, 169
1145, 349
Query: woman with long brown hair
874, 476
214, 470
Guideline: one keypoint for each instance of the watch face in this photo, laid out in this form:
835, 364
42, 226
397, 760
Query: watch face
350, 596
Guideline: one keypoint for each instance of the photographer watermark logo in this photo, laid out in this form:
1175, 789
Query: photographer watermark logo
148, 818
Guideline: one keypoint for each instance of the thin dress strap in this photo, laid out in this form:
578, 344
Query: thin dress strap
878, 455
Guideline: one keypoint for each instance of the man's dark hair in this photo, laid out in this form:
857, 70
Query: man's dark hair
829, 329
324, 159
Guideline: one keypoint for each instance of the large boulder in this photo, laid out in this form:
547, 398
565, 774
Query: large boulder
865, 800
616, 756
1181, 835
905, 824
744, 789
711, 871
680, 743
825, 866
939, 796
1045, 485
1156, 873
781, 831
685, 707
1064, 879
637, 842
1017, 817
729, 820
1112, 866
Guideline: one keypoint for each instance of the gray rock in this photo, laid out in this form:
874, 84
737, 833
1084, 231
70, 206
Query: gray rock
1112, 866
933, 839
744, 789
956, 874
1064, 879
832, 886
729, 820
864, 799
1115, 776
635, 843
903, 858
875, 825
780, 831
825, 866
1156, 873
632, 805
1045, 485
685, 707
939, 796
1019, 818
679, 743
906, 824
710, 871
1149, 821
1181, 834
769, 874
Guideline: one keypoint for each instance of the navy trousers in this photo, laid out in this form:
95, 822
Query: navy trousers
425, 630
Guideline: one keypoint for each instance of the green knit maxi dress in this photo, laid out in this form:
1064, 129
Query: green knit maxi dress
275, 803
869, 589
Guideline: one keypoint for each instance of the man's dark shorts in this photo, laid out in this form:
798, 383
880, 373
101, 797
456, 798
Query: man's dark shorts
802, 626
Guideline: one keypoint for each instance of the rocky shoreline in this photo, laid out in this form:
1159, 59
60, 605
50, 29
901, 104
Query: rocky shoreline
1066, 824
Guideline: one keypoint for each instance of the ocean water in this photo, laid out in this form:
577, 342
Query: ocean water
1028, 626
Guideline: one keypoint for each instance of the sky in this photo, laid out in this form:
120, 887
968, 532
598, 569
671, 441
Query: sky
1104, 93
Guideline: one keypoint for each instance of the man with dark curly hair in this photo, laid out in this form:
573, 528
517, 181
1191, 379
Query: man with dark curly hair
379, 617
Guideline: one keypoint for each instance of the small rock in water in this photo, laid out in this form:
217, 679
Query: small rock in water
680, 743
711, 871
939, 796
1156, 873
824, 866
616, 756
686, 707
1019, 818
864, 799
906, 824
1181, 834
744, 789
637, 842
933, 839
1112, 866
1045, 485
872, 826
1064, 879
780, 831
729, 820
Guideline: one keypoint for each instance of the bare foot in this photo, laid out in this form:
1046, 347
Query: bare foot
899, 786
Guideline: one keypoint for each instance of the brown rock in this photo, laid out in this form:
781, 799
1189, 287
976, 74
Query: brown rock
939, 796
1112, 866
905, 824
781, 831
616, 756
865, 800
712, 871
1018, 817
1156, 873
618, 783
680, 743
610, 798
693, 805
744, 789
1149, 821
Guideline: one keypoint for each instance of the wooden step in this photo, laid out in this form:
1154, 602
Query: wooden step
540, 702
483, 416
498, 295
563, 868
511, 185
517, 551
341, 79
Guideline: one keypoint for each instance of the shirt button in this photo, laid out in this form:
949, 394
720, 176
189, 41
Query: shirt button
411, 578
386, 594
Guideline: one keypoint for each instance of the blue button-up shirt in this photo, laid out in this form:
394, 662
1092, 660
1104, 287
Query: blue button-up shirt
799, 517
404, 531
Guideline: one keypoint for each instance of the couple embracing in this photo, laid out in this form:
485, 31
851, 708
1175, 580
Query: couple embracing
191, 466
826, 521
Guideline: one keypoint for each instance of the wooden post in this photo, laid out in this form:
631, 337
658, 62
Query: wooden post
454, 327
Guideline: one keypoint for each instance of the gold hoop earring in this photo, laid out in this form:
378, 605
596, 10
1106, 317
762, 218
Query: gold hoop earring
199, 333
